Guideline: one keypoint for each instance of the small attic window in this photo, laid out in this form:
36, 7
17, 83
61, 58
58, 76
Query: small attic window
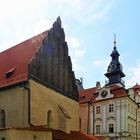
9, 73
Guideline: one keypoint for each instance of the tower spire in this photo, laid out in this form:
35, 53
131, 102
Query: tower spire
114, 70
114, 41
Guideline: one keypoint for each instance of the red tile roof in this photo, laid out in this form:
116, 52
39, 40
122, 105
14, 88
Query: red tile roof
120, 92
74, 135
14, 61
89, 95
137, 86
86, 95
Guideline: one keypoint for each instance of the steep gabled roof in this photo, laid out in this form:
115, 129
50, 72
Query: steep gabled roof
44, 58
14, 61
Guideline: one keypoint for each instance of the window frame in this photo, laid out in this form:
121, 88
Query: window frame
111, 108
98, 109
98, 129
111, 128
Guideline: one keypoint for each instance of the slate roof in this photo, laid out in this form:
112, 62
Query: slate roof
14, 61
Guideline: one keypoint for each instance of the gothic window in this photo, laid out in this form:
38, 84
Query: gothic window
80, 123
2, 118
111, 108
111, 128
49, 118
98, 127
98, 110
34, 137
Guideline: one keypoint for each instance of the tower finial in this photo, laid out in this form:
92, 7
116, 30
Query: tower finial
114, 40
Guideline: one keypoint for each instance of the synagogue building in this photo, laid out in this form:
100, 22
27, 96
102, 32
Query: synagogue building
38, 95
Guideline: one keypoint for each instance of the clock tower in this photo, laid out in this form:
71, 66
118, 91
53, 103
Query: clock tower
115, 70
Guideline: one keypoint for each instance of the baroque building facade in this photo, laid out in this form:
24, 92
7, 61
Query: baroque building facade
112, 110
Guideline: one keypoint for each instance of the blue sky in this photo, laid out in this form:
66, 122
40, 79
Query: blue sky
89, 27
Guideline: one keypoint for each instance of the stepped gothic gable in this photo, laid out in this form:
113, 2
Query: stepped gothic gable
52, 65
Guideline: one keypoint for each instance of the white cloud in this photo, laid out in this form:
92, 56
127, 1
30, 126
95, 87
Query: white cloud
100, 63
89, 11
76, 47
133, 76
79, 53
21, 19
74, 42
97, 63
76, 66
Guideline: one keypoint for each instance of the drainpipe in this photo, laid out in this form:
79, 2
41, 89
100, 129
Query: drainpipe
137, 120
93, 119
88, 118
29, 105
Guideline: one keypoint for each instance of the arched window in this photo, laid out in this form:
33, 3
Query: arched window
49, 119
2, 118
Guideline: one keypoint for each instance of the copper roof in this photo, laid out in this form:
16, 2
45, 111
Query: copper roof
14, 61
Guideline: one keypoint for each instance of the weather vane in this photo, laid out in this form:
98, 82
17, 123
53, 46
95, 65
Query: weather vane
114, 40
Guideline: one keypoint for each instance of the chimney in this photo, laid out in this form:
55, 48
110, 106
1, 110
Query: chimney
98, 85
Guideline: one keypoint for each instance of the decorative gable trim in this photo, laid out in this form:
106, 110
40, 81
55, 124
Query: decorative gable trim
52, 64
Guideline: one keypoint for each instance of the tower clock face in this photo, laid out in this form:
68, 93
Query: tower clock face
104, 93
111, 67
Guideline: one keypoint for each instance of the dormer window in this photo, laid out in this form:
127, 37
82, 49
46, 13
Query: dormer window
9, 73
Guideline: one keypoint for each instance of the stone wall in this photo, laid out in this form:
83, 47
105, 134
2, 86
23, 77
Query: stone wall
14, 101
25, 134
43, 99
84, 117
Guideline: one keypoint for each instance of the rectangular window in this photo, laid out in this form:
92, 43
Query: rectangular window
128, 108
128, 127
111, 108
98, 110
98, 129
111, 128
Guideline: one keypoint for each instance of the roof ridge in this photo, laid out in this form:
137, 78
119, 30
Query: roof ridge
90, 88
16, 45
